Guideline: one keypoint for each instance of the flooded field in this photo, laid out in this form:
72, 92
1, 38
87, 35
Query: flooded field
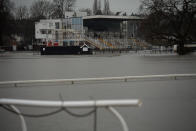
168, 105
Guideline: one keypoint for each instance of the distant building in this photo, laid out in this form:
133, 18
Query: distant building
59, 32
44, 29
124, 26
98, 31
113, 32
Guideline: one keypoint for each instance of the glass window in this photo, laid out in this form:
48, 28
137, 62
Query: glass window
56, 35
49, 31
43, 31
50, 24
57, 25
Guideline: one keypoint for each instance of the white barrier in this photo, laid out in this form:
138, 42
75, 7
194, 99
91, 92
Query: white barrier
124, 78
70, 104
108, 104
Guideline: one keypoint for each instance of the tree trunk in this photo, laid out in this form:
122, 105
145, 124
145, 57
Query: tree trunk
1, 40
181, 50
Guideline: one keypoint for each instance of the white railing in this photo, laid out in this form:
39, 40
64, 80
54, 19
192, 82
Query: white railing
70, 104
95, 42
108, 104
122, 78
10, 104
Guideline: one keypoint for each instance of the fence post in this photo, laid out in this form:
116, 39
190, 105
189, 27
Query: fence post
120, 118
95, 119
23, 123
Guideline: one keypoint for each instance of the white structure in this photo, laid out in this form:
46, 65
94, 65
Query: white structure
45, 29
59, 32
108, 104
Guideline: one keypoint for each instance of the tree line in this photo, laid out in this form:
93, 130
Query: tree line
169, 22
20, 21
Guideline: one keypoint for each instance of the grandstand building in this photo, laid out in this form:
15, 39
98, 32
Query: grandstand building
100, 32
113, 32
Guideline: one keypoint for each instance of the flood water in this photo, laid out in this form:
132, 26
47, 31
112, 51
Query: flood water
168, 105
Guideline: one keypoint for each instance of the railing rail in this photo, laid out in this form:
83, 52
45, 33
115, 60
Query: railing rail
124, 78
70, 104
108, 104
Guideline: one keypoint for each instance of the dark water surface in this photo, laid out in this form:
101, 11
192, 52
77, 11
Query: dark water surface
167, 105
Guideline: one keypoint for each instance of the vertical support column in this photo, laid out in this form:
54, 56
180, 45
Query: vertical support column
120, 118
133, 29
23, 123
95, 119
126, 30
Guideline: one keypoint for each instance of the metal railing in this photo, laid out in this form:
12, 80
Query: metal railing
10, 105
94, 42
121, 78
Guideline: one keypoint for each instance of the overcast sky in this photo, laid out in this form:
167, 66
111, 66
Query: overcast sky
115, 5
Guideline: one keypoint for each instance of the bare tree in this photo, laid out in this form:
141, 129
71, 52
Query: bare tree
22, 12
41, 9
106, 10
169, 20
6, 17
95, 8
60, 6
99, 12
69, 4
99, 5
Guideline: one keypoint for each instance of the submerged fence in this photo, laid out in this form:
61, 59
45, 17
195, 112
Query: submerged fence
101, 79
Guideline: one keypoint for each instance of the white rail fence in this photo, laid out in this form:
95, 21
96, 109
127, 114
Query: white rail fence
10, 105
102, 79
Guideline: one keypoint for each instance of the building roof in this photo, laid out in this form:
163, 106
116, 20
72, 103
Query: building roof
75, 14
84, 45
112, 17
